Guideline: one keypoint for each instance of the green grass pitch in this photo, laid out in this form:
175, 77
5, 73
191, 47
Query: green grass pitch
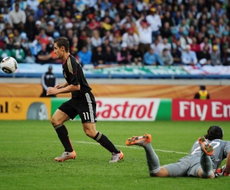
27, 149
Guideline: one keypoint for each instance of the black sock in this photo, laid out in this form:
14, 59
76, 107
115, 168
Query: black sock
105, 142
64, 138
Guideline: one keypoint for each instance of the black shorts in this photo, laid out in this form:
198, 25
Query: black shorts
85, 107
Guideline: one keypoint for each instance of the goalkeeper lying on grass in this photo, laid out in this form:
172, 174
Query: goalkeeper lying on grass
206, 156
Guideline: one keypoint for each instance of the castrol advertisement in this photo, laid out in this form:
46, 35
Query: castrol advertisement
201, 110
127, 108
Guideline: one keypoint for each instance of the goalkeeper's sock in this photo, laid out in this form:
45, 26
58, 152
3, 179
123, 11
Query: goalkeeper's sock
206, 165
64, 138
106, 143
152, 159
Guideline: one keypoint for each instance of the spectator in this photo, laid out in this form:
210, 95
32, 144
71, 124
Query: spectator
188, 57
2, 22
215, 56
206, 42
33, 4
74, 45
166, 57
42, 37
165, 31
194, 46
96, 40
226, 58
107, 37
160, 44
85, 56
48, 79
17, 17
44, 56
123, 56
136, 56
176, 54
2, 39
185, 40
202, 94
154, 19
127, 20
167, 19
174, 20
17, 37
30, 27
10, 41
204, 56
106, 24
83, 39
177, 17
109, 56
152, 58
98, 56
116, 41
93, 24
50, 28
145, 35
18, 52
4, 52
130, 38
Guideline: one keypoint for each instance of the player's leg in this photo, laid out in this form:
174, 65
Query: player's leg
154, 163
87, 112
152, 159
206, 169
57, 121
90, 130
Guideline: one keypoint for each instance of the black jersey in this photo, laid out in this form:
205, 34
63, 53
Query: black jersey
48, 80
74, 75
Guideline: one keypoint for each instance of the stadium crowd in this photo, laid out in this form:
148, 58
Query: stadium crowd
103, 32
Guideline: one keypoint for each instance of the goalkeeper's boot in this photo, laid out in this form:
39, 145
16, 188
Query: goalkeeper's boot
66, 156
205, 147
116, 157
139, 140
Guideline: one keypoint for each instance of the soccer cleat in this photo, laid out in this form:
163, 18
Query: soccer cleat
139, 140
205, 147
116, 157
221, 171
66, 156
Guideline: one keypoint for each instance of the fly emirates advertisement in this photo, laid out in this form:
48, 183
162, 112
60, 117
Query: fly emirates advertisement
127, 109
201, 110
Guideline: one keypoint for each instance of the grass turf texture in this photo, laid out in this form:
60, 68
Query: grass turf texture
27, 149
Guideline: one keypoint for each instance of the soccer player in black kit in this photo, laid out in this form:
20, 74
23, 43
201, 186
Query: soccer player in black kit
82, 103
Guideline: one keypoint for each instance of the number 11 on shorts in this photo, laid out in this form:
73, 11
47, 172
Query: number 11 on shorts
86, 115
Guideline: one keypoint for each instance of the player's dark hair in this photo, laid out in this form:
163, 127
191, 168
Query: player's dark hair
214, 132
62, 41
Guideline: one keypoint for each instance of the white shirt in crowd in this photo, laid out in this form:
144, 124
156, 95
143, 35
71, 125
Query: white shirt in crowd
131, 40
17, 17
145, 34
154, 21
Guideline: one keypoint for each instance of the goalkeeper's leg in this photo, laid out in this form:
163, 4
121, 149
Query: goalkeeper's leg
206, 169
152, 159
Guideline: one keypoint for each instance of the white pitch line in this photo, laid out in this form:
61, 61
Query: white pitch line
134, 147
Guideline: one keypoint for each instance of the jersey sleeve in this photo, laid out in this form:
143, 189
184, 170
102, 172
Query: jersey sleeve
72, 67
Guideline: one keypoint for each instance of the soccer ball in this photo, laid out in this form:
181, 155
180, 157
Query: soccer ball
9, 65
